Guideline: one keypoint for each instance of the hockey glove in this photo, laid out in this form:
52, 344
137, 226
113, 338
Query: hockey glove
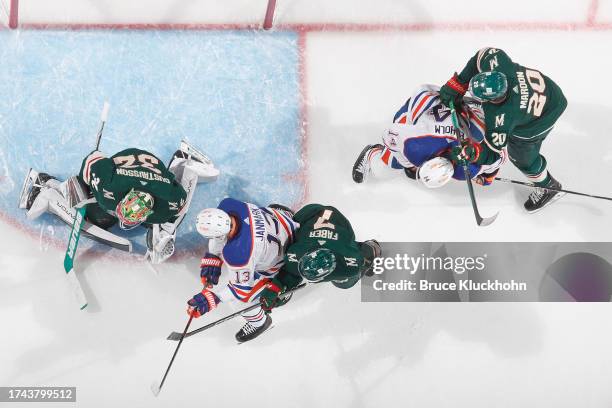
202, 303
210, 269
486, 179
469, 152
269, 297
453, 90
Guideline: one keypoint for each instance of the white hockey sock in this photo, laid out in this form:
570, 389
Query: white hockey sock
257, 317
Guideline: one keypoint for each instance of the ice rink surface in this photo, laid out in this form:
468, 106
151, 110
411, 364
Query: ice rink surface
241, 95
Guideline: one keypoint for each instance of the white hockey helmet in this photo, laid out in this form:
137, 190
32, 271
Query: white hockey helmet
213, 223
436, 172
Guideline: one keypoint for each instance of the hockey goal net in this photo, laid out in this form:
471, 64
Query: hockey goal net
8, 13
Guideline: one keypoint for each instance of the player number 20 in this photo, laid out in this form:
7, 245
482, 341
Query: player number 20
535, 106
142, 160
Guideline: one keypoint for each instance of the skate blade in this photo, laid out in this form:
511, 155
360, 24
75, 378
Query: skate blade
555, 198
28, 183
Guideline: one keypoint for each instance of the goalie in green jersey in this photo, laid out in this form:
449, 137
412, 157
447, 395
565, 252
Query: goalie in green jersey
521, 106
132, 187
324, 250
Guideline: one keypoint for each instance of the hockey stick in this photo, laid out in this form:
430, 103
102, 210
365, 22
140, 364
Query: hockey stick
483, 222
523, 183
75, 233
157, 388
174, 336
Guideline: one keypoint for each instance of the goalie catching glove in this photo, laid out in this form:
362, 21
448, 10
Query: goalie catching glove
202, 303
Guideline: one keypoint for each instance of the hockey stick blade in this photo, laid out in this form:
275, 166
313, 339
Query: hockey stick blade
73, 241
483, 222
155, 389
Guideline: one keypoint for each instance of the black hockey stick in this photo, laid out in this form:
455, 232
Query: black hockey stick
174, 336
483, 222
157, 388
523, 183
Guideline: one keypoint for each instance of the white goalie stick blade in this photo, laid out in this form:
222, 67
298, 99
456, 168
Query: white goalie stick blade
76, 289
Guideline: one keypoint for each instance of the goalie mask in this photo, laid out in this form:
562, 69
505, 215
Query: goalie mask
134, 209
317, 264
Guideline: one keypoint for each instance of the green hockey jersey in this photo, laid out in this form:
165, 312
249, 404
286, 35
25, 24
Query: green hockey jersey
533, 105
110, 179
324, 227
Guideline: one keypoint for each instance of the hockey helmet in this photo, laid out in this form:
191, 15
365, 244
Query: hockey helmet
317, 264
213, 223
134, 208
436, 172
489, 86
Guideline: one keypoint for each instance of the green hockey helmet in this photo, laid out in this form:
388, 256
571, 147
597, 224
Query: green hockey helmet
317, 264
134, 208
489, 86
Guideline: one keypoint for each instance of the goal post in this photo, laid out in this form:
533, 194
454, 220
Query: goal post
9, 13
269, 19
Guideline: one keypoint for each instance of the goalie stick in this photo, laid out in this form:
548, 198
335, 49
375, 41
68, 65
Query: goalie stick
483, 222
75, 232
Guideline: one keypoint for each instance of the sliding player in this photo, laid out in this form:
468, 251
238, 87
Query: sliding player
249, 243
423, 142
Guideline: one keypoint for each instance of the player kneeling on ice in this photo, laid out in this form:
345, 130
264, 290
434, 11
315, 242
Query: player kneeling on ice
422, 142
249, 243
132, 187
324, 250
521, 106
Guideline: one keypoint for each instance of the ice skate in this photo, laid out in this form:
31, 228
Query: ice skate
249, 332
541, 196
32, 184
361, 168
